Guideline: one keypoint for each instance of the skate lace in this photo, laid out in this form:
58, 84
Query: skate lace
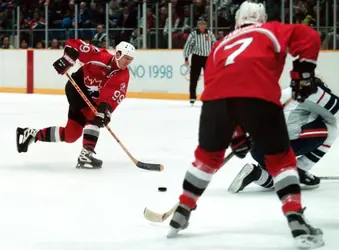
27, 133
309, 175
305, 220
85, 155
86, 152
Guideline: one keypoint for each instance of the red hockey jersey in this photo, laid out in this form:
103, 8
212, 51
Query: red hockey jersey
105, 82
249, 61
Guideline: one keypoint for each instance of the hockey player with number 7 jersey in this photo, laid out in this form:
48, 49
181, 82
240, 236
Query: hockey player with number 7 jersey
242, 89
104, 79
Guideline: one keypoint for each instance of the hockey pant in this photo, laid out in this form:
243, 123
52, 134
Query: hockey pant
79, 119
266, 123
313, 143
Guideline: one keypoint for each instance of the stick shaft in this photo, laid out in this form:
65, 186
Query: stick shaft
90, 105
227, 158
329, 177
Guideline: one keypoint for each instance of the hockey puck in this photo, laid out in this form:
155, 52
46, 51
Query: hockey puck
162, 189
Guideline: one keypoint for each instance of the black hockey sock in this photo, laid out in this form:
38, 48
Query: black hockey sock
287, 187
197, 178
265, 180
91, 135
51, 134
283, 169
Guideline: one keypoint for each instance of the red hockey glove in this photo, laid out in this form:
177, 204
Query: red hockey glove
240, 143
103, 117
303, 84
63, 64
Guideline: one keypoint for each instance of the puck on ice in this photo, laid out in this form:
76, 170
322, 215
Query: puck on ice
162, 189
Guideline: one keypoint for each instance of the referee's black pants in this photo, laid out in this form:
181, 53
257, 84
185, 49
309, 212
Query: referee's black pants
197, 63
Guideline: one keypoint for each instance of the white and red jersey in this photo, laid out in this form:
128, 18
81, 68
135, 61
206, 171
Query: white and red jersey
105, 82
323, 104
249, 61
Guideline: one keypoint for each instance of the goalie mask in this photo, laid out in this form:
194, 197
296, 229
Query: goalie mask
250, 13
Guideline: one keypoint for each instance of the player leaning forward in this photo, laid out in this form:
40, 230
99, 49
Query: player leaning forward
241, 88
104, 80
312, 128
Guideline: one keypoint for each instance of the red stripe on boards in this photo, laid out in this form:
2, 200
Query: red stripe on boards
30, 71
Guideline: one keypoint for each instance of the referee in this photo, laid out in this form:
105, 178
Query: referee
199, 44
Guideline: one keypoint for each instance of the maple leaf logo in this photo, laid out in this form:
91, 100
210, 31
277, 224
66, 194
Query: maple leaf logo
93, 81
123, 87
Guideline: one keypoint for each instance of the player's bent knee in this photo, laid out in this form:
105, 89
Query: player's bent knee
72, 132
211, 159
278, 162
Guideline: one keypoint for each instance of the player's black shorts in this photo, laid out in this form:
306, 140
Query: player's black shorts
76, 102
300, 146
263, 120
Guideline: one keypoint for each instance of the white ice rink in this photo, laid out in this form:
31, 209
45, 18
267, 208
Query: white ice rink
47, 204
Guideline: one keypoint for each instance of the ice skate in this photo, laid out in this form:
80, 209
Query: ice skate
308, 180
305, 236
87, 160
179, 221
192, 101
24, 137
246, 176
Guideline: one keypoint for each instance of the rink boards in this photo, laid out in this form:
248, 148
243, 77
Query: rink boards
156, 74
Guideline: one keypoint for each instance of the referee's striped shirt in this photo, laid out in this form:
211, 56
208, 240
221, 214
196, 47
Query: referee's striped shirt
199, 43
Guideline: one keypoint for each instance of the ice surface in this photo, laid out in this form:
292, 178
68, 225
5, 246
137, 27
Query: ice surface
47, 204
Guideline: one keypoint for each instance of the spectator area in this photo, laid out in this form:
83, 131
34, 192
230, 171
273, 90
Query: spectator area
125, 21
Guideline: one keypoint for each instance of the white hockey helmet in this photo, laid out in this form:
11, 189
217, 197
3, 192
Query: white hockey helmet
250, 13
125, 48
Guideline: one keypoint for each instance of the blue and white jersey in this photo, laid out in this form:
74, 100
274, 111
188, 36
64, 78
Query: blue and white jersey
322, 104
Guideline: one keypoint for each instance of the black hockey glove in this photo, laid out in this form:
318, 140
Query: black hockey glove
240, 143
66, 61
103, 117
302, 80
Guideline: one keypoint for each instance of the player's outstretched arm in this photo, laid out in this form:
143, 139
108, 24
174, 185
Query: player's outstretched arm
304, 43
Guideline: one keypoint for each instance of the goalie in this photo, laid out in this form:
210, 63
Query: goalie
104, 80
312, 128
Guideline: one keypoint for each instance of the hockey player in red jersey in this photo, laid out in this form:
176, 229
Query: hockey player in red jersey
104, 79
241, 88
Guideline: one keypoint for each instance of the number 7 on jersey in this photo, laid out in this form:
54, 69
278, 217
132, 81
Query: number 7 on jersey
244, 44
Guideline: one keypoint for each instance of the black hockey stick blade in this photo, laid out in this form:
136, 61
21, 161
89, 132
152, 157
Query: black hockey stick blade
150, 166
329, 177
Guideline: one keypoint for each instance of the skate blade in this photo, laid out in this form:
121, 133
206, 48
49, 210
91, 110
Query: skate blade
172, 233
236, 184
86, 166
305, 242
309, 187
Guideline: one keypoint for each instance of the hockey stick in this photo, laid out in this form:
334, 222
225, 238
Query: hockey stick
329, 177
161, 217
139, 164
